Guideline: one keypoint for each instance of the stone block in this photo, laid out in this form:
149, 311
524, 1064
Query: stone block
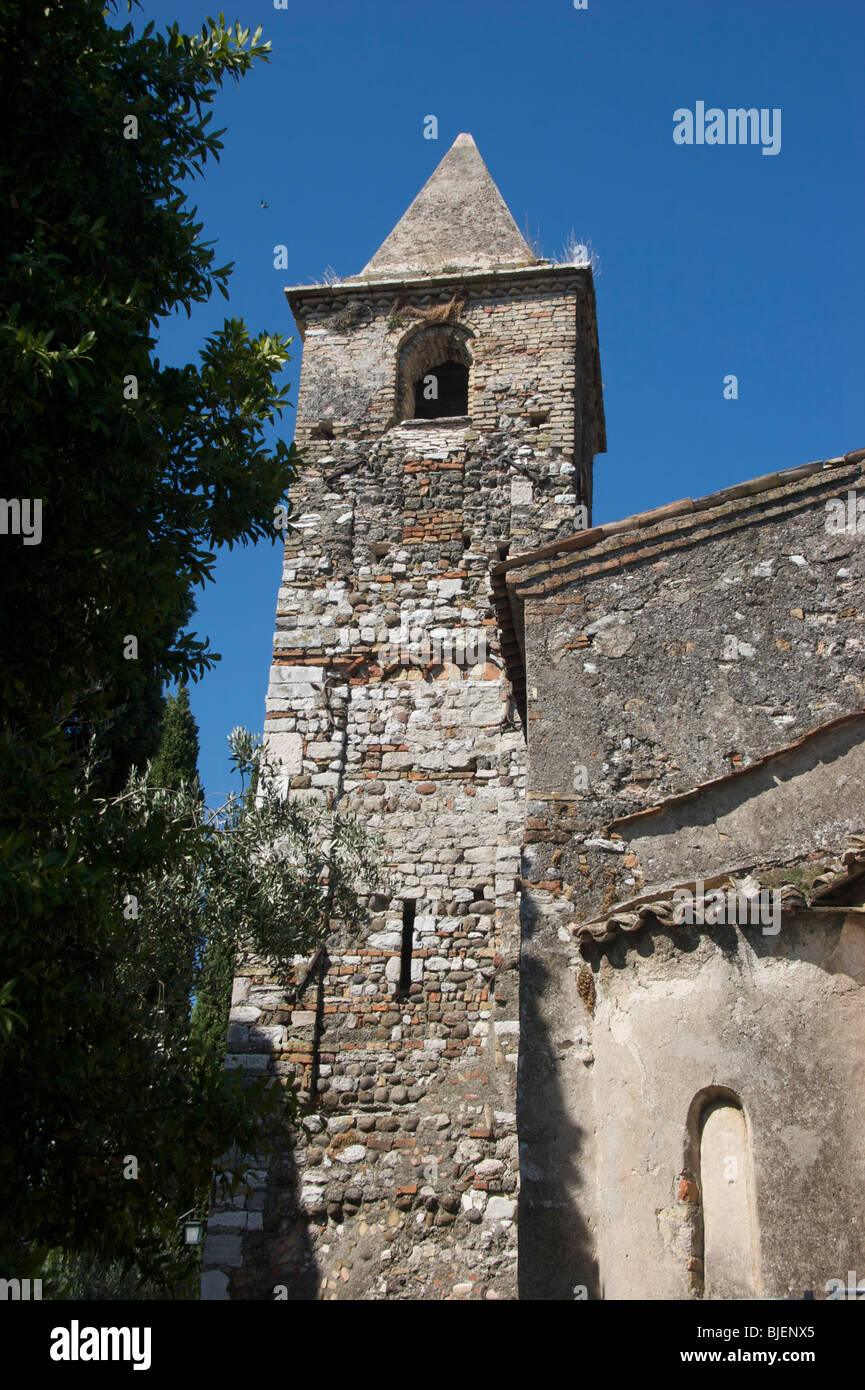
224, 1250
227, 1221
240, 990
214, 1286
500, 1209
247, 1061
245, 1013
286, 747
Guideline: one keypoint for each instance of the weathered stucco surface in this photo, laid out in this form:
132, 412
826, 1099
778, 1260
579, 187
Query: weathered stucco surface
804, 799
781, 1023
662, 666
692, 647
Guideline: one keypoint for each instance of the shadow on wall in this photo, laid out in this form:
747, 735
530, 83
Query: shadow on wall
286, 1260
278, 1261
556, 1254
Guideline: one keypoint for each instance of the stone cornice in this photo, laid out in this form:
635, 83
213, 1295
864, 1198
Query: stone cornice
519, 276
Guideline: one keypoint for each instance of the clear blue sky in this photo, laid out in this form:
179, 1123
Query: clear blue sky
714, 259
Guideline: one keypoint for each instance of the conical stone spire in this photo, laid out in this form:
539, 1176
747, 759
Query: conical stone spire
458, 221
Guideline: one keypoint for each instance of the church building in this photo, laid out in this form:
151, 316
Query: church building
603, 1035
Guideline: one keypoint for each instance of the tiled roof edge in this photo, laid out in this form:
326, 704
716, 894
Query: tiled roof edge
585, 540
693, 792
629, 916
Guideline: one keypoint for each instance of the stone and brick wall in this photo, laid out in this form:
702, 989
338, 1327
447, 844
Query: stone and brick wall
409, 1186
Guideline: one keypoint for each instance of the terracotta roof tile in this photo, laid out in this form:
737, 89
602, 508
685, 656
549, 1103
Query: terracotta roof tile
848, 864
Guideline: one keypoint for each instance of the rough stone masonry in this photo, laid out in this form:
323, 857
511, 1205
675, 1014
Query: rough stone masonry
410, 1187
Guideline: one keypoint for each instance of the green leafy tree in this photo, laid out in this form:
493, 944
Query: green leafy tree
176, 767
213, 996
140, 471
124, 1138
176, 760
72, 1275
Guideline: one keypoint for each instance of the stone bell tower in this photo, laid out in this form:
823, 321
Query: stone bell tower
449, 411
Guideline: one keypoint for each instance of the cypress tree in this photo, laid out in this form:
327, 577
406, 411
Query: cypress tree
177, 758
213, 997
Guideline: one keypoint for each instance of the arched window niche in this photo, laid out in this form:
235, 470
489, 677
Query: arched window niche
726, 1233
433, 367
